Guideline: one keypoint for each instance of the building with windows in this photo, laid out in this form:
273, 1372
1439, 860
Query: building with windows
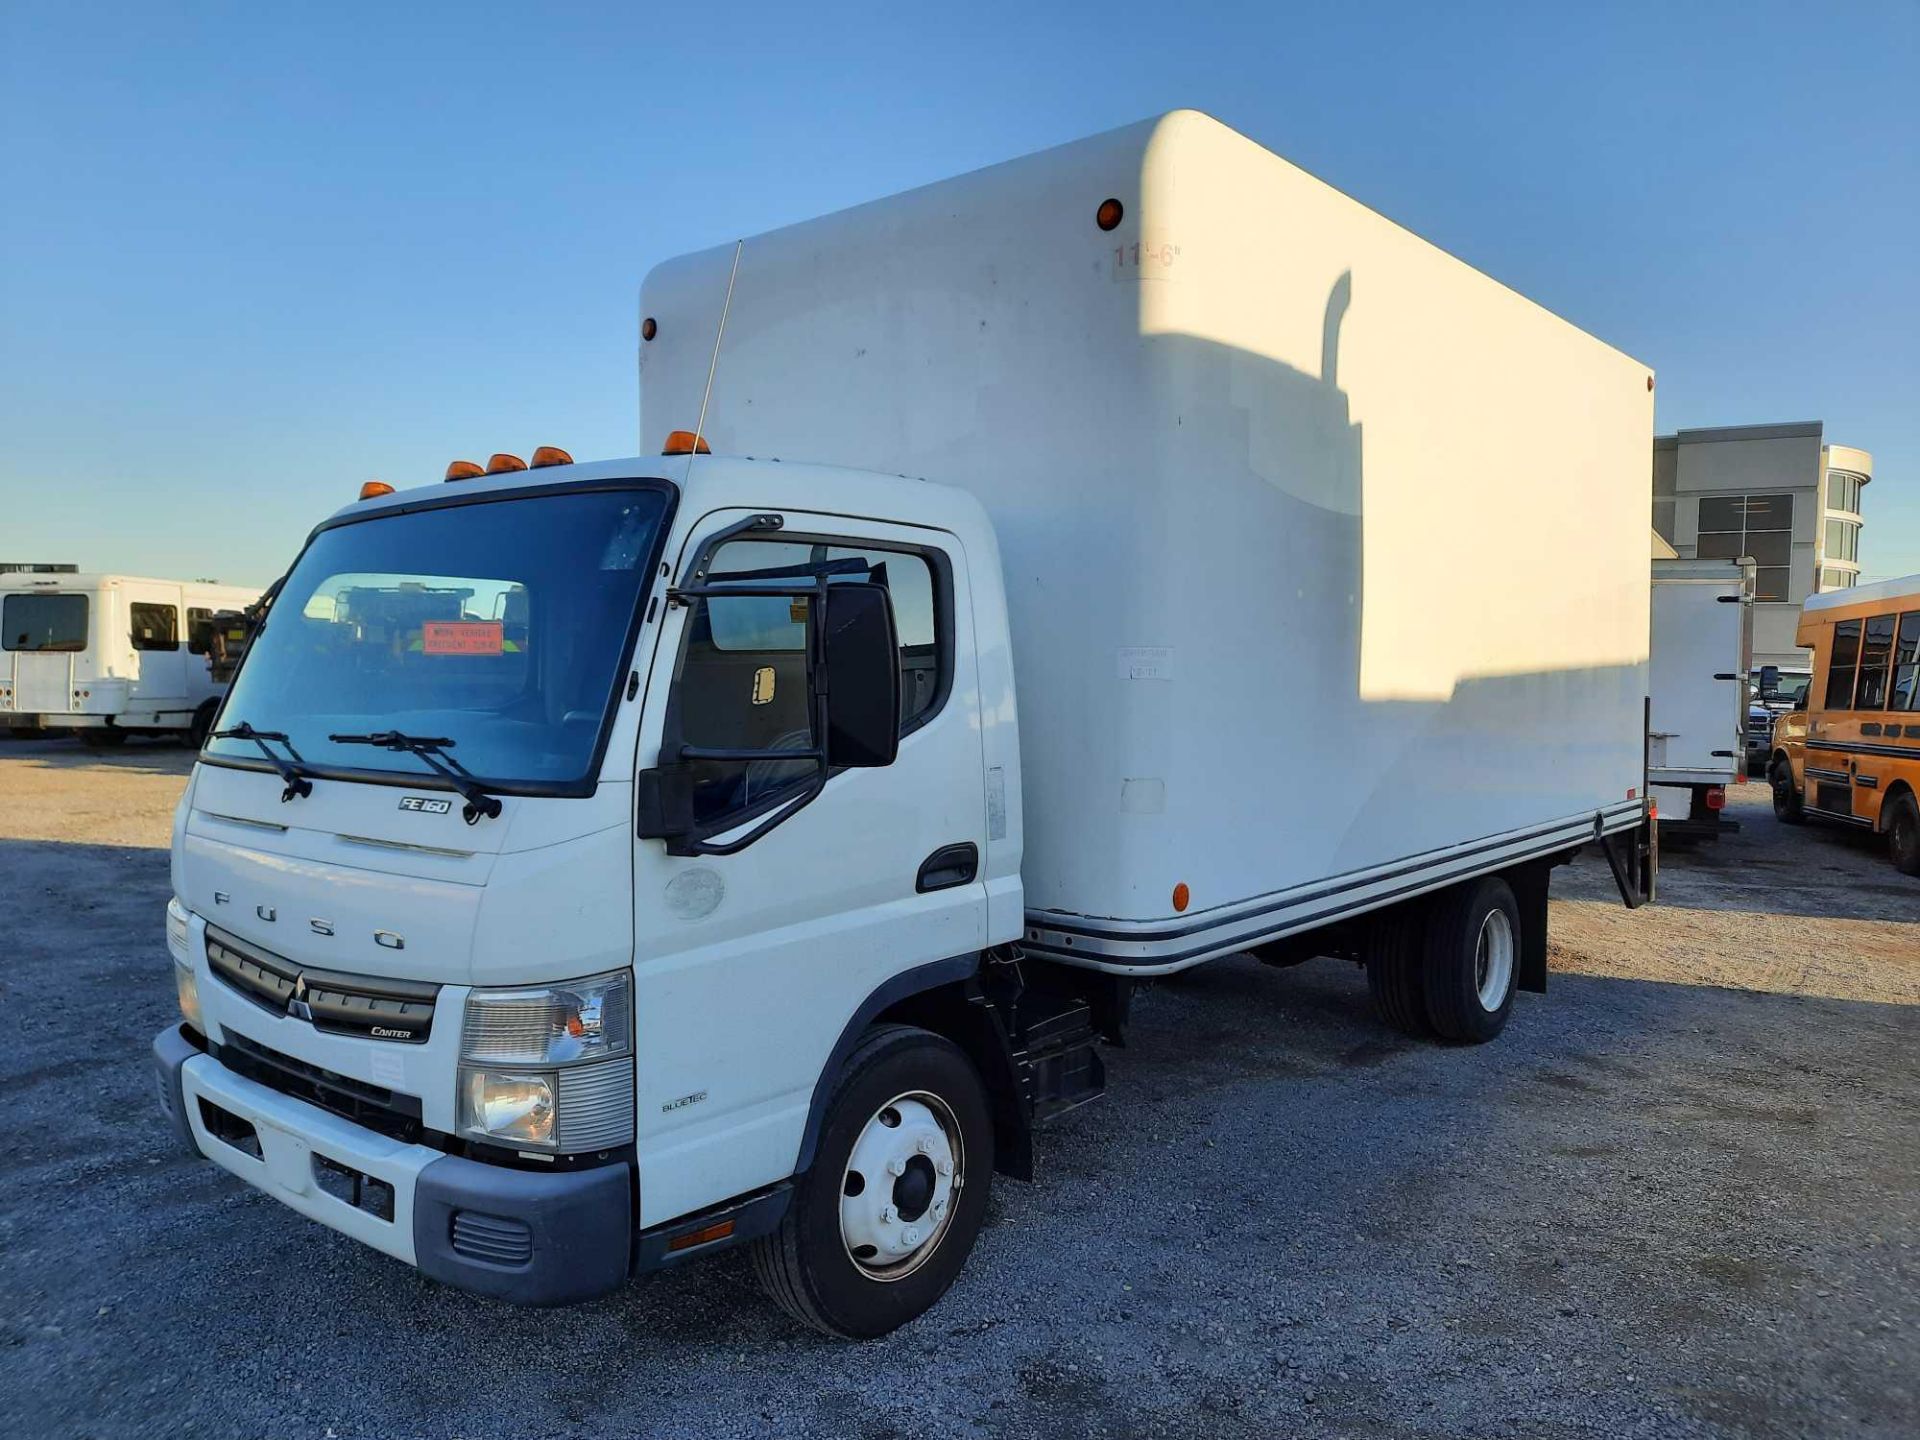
1776, 493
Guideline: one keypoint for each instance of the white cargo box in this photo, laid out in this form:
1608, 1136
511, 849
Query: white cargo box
1325, 553
1702, 647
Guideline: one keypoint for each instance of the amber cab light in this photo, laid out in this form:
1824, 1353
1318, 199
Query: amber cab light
685, 442
374, 489
502, 463
550, 455
463, 470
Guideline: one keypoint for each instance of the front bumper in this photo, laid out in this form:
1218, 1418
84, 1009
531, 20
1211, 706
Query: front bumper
530, 1237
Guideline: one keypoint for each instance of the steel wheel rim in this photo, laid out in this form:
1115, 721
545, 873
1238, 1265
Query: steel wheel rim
1493, 960
897, 1212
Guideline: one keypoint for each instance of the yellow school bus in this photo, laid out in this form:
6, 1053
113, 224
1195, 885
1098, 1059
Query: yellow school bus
1850, 751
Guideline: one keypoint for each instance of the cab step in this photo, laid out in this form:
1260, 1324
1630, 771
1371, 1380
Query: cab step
1054, 1049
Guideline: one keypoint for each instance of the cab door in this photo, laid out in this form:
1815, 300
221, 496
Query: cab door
749, 966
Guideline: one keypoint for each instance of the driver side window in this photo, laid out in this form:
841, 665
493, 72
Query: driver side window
742, 681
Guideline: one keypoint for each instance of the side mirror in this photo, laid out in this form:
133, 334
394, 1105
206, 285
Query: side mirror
860, 677
1769, 679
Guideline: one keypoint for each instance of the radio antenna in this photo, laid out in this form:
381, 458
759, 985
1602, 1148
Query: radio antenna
700, 428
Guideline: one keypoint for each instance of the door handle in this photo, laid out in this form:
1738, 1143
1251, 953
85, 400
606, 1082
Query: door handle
947, 867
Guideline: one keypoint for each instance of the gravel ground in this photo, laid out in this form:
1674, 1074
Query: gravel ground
1679, 1197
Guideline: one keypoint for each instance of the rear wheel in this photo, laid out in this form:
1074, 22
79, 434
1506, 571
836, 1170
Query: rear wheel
1472, 960
1903, 834
1786, 800
882, 1223
1395, 975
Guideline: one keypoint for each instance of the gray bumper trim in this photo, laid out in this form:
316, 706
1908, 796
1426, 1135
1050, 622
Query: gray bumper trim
578, 1229
171, 1050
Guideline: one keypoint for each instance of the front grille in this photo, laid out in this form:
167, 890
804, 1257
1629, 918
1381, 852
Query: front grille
387, 1111
496, 1239
370, 1007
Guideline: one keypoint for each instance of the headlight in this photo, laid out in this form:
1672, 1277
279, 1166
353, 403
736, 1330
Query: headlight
568, 1024
185, 984
549, 1067
177, 930
506, 1106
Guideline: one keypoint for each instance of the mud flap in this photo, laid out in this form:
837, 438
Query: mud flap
1634, 857
1529, 884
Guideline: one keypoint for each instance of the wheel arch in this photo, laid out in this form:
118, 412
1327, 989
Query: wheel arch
942, 997
1894, 791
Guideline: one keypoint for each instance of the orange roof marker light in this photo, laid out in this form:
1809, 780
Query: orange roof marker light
502, 463
374, 489
685, 442
463, 470
550, 455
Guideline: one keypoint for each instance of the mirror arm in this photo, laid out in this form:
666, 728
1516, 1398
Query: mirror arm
698, 845
703, 557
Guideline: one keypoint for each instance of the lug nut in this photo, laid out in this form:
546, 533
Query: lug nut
926, 1145
946, 1167
889, 1215
896, 1166
913, 1235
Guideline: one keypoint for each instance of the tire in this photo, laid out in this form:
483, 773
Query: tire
102, 738
808, 1264
1903, 834
202, 724
1396, 976
1788, 806
1472, 960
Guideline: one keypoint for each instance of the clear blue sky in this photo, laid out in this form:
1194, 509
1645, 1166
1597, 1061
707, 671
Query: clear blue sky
252, 255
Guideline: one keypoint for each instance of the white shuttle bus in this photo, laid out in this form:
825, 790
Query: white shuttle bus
1131, 555
108, 656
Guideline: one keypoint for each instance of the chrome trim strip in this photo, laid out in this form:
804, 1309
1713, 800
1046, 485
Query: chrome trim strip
1157, 951
406, 845
244, 820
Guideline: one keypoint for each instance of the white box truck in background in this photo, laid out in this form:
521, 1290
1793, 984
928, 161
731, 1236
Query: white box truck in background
1701, 648
107, 656
609, 863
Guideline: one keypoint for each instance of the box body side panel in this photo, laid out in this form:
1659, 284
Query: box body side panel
1321, 548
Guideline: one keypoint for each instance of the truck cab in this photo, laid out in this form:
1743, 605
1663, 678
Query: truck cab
462, 973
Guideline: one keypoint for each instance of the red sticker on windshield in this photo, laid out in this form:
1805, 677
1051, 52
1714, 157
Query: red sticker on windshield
462, 637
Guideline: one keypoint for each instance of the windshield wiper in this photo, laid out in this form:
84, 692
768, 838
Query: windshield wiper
431, 751
289, 771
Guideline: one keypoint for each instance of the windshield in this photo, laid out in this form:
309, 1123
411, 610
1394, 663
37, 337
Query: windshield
44, 622
499, 625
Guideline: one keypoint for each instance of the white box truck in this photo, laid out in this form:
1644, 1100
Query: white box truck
108, 656
1701, 649
1046, 580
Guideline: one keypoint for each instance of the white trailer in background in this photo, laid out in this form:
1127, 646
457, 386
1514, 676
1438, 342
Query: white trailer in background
760, 911
107, 656
1701, 646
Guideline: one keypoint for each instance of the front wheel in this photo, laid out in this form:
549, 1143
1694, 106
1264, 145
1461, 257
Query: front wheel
882, 1223
1903, 834
1787, 804
1472, 960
